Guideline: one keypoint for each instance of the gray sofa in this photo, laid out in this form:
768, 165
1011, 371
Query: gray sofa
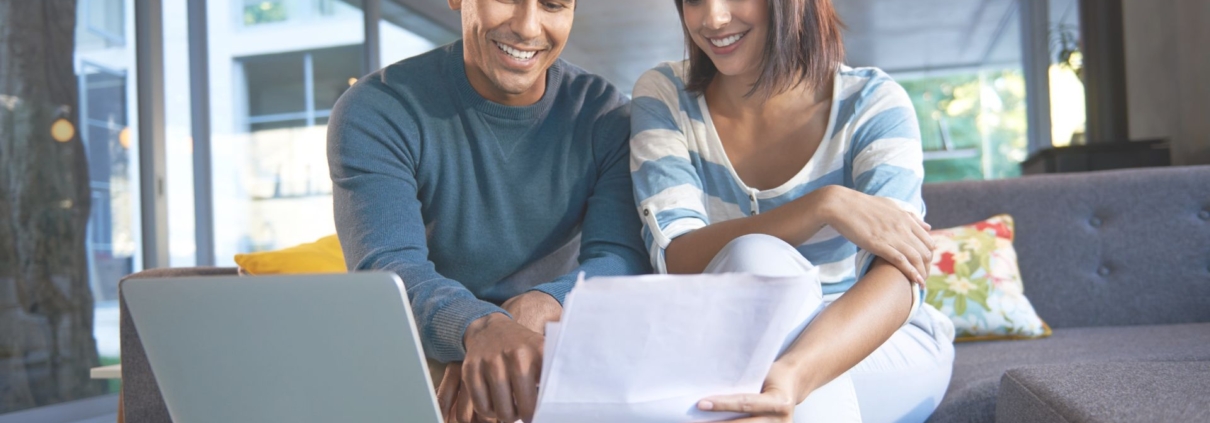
1118, 263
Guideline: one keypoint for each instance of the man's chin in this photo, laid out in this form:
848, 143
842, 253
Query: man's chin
516, 86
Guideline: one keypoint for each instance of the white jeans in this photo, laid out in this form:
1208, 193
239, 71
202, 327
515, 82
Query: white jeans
901, 381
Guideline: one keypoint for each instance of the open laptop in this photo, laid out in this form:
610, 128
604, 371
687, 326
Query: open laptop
316, 348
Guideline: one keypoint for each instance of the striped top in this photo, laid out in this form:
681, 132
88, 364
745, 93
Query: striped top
684, 181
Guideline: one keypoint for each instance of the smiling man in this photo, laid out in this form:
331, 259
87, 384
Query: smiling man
462, 168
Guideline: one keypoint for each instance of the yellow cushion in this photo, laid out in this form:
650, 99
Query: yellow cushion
322, 256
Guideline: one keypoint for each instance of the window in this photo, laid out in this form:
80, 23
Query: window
270, 99
259, 12
1067, 114
961, 64
101, 24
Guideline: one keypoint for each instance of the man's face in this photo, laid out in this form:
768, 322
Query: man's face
509, 44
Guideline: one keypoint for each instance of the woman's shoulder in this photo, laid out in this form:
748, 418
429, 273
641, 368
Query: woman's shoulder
666, 77
867, 83
866, 91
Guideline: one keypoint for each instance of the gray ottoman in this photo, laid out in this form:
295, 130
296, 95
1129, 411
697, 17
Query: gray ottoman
1106, 392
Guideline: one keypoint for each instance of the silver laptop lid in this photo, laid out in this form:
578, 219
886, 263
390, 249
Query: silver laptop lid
316, 348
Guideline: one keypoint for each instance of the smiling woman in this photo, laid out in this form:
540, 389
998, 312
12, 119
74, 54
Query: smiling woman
763, 153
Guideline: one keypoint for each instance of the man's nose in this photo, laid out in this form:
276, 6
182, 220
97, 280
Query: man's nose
718, 14
527, 23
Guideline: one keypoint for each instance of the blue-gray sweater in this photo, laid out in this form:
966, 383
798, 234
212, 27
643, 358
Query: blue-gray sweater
453, 192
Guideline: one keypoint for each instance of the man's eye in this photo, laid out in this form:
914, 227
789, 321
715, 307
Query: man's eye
554, 7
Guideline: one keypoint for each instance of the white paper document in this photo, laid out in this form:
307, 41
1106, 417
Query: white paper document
648, 348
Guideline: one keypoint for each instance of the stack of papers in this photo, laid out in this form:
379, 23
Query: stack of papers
648, 348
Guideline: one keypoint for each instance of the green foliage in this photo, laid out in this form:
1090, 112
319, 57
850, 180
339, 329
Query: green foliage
265, 11
983, 111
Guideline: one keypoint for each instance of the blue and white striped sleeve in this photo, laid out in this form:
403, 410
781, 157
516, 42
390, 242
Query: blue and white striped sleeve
667, 189
885, 152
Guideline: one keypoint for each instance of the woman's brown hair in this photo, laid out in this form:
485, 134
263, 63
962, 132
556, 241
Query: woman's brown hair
804, 46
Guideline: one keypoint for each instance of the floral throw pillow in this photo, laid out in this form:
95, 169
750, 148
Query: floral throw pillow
976, 282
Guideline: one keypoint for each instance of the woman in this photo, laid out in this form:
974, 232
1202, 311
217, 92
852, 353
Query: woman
762, 153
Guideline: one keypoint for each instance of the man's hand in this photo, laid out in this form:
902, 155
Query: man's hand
455, 402
533, 310
501, 369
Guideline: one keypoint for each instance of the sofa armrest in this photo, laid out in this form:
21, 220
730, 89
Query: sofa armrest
141, 399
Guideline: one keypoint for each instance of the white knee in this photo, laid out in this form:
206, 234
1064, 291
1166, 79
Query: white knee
759, 254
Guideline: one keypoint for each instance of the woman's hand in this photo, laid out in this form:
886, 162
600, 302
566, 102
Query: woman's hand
878, 225
774, 404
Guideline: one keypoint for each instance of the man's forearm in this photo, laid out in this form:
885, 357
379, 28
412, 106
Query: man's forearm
444, 309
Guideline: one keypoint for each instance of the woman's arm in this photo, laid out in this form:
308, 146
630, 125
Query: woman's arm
873, 223
794, 222
850, 329
842, 335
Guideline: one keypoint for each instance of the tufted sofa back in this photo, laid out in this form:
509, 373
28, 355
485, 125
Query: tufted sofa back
1127, 247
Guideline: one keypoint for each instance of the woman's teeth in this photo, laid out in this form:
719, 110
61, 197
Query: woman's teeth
724, 42
516, 54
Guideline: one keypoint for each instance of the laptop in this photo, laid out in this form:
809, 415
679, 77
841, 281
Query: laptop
315, 348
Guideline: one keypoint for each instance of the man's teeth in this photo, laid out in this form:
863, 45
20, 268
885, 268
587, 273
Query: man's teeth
516, 54
724, 42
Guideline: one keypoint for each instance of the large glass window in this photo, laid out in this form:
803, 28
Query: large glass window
1067, 114
104, 65
961, 64
276, 70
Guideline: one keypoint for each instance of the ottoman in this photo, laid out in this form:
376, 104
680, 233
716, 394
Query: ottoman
1106, 392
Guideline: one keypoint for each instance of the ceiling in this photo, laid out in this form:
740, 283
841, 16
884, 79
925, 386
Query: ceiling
619, 39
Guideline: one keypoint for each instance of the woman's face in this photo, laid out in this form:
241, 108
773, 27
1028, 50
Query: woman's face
731, 32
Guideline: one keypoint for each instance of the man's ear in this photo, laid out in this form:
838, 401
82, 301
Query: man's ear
455, 4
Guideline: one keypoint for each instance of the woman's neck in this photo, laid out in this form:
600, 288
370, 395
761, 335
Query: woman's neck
729, 95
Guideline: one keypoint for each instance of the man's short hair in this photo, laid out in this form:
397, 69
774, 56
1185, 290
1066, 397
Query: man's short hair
804, 46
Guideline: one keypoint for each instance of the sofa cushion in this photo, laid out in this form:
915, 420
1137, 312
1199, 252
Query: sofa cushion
1128, 247
978, 366
1102, 392
321, 256
975, 281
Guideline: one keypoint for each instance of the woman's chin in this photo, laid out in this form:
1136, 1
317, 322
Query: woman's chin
733, 70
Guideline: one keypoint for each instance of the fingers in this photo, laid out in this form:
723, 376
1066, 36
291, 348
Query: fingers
922, 223
912, 250
480, 393
759, 419
464, 409
756, 404
926, 256
927, 240
501, 393
447, 392
899, 256
525, 386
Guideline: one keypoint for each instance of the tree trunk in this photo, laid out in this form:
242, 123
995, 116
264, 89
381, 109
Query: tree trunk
46, 307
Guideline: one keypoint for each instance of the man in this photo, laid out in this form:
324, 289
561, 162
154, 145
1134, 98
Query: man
459, 167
